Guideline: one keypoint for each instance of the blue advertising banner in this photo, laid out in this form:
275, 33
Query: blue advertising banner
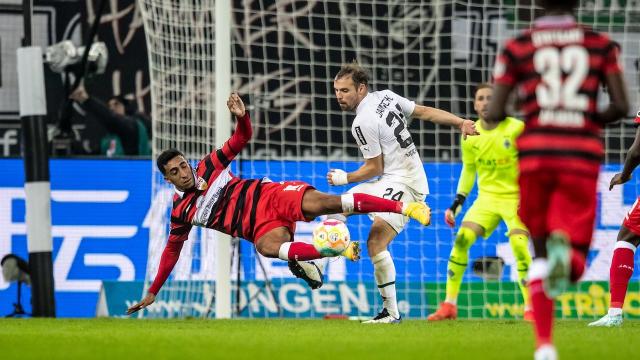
98, 209
99, 233
278, 298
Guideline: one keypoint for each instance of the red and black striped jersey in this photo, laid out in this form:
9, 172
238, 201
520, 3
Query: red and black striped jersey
557, 68
218, 198
214, 202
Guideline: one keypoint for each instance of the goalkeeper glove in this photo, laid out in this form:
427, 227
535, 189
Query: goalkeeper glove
453, 211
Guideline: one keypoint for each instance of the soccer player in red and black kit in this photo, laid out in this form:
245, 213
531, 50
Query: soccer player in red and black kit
262, 212
628, 241
557, 67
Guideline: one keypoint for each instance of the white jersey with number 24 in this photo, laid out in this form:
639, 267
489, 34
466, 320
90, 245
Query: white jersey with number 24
380, 127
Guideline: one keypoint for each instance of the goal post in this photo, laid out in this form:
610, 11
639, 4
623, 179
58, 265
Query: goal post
281, 56
223, 130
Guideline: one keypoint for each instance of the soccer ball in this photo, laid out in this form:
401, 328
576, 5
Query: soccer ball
331, 237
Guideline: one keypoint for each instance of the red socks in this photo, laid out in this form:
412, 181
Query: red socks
619, 274
365, 203
542, 312
302, 251
578, 264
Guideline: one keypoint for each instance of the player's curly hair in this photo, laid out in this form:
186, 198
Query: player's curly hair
358, 74
165, 157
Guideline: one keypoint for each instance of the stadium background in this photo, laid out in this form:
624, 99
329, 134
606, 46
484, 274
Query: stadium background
99, 207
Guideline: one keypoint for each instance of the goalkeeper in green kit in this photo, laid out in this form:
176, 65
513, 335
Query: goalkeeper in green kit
493, 157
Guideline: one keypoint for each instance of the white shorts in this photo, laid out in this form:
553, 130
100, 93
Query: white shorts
393, 191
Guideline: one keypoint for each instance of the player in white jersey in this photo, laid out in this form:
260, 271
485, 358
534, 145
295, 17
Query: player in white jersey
380, 129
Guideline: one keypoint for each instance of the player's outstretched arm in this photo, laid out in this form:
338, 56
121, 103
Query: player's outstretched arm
243, 132
241, 136
630, 163
168, 260
437, 116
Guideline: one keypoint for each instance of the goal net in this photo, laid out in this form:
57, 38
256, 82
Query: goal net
284, 57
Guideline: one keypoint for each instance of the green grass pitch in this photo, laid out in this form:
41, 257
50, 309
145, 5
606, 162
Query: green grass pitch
121, 339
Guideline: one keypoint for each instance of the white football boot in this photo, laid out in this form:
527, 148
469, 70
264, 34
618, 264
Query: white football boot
608, 321
307, 271
384, 318
546, 352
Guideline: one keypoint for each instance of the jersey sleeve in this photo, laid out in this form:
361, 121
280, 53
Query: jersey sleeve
368, 138
612, 60
223, 156
505, 71
407, 106
179, 232
468, 172
637, 119
168, 260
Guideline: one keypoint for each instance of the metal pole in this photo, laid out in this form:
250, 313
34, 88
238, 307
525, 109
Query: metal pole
33, 110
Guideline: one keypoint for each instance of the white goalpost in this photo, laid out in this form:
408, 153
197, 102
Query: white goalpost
281, 56
223, 130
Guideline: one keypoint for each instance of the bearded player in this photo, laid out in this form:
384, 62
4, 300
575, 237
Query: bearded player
493, 157
392, 167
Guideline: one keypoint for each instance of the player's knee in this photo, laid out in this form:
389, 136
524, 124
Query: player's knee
266, 247
465, 238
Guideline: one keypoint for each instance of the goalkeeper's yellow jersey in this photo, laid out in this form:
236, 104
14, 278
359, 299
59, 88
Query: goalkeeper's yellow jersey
494, 157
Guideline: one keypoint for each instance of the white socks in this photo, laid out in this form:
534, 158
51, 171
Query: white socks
385, 273
539, 269
283, 253
615, 311
348, 203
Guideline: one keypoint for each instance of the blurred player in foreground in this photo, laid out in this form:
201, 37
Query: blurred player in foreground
628, 240
262, 212
380, 130
558, 67
494, 158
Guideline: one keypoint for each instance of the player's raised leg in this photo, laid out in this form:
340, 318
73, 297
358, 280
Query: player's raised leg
316, 203
276, 243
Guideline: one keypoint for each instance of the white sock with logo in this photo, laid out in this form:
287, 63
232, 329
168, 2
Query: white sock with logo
385, 273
